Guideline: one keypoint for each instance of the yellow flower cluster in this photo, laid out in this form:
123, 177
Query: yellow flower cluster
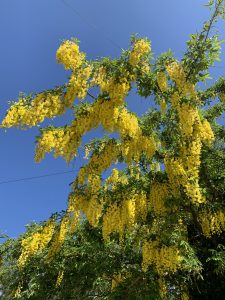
116, 90
37, 241
140, 48
133, 148
176, 174
162, 288
163, 106
187, 117
191, 125
155, 167
127, 124
141, 206
74, 220
177, 74
144, 68
117, 279
204, 131
113, 179
162, 81
93, 183
184, 171
90, 205
59, 278
65, 141
69, 55
78, 85
58, 139
117, 218
212, 223
107, 115
59, 237
158, 194
190, 154
99, 77
184, 296
17, 293
98, 163
124, 215
42, 106
130, 148
175, 100
163, 258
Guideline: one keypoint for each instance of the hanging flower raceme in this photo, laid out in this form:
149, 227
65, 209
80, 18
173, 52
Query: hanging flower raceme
176, 174
164, 258
188, 115
124, 215
44, 105
177, 74
204, 130
57, 140
69, 55
158, 194
59, 279
99, 162
212, 223
163, 106
175, 100
59, 237
78, 85
89, 204
36, 242
162, 81
140, 49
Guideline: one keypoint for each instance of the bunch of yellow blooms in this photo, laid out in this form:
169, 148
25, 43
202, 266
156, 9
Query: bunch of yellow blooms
42, 106
70, 56
158, 194
177, 74
78, 85
36, 242
98, 163
59, 237
140, 48
162, 81
163, 258
124, 215
90, 205
59, 278
212, 223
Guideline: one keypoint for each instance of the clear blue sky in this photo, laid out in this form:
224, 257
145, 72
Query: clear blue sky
30, 33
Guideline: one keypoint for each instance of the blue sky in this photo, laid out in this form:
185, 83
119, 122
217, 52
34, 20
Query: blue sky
30, 33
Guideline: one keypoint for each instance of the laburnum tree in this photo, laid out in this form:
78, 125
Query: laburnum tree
153, 229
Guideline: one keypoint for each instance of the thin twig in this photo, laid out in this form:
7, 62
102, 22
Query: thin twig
206, 35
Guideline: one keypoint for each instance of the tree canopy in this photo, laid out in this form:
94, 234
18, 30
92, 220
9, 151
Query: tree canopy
154, 228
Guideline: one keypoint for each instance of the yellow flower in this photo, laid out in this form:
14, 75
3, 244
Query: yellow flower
37, 241
162, 81
163, 258
140, 48
69, 55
